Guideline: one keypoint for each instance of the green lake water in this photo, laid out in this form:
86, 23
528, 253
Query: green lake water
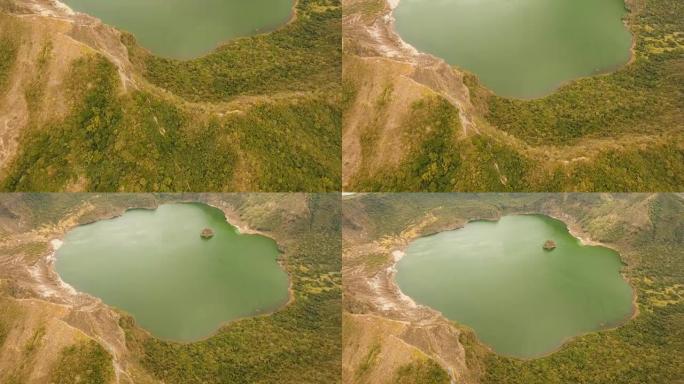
519, 48
520, 299
185, 29
154, 265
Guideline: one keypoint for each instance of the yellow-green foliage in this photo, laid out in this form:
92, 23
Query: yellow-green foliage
368, 361
139, 142
8, 50
295, 145
33, 343
85, 362
438, 159
115, 143
36, 89
421, 371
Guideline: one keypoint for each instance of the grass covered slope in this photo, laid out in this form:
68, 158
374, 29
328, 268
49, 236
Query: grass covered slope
644, 228
82, 339
83, 362
617, 132
141, 142
8, 55
438, 158
99, 113
436, 161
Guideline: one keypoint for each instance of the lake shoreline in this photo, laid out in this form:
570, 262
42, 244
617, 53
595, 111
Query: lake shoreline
60, 6
390, 22
230, 215
573, 229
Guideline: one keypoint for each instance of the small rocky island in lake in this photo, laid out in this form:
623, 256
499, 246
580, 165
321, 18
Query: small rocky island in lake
207, 233
550, 245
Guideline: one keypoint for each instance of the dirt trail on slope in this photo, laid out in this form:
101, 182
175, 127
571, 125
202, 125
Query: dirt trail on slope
85, 30
379, 314
50, 37
388, 76
379, 39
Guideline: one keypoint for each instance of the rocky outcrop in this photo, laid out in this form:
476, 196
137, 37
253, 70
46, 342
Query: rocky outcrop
549, 245
207, 233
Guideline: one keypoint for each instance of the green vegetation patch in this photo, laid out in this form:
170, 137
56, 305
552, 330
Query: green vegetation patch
85, 362
140, 142
292, 145
421, 371
112, 142
8, 49
36, 88
439, 158
368, 361
656, 167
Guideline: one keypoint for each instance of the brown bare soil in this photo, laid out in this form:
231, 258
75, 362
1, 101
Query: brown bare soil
388, 76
